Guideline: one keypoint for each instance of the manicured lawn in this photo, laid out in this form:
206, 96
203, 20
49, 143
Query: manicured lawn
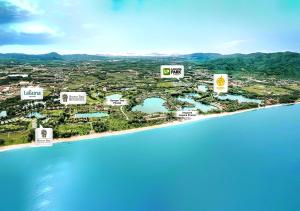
165, 85
18, 137
79, 129
266, 90
53, 113
294, 87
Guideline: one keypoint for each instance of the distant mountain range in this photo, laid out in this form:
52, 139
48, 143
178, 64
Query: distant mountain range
281, 63
202, 57
49, 56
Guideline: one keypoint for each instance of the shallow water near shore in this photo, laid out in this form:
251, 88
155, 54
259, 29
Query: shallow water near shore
248, 161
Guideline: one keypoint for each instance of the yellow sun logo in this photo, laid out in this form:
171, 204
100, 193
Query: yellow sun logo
221, 81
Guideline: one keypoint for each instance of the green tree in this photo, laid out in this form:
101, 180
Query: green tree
31, 135
2, 141
99, 127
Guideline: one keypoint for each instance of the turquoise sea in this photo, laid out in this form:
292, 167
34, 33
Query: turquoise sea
244, 162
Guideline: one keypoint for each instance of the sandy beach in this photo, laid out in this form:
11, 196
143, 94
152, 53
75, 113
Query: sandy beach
115, 133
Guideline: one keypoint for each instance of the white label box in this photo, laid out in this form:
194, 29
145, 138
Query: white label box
72, 98
116, 102
32, 93
220, 83
186, 114
44, 136
172, 71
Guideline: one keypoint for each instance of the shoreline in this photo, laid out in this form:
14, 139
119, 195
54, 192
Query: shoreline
134, 130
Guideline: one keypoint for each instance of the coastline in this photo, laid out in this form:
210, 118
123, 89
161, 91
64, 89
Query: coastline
134, 130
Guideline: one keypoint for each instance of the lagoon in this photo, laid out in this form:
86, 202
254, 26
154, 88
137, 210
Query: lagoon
239, 98
151, 105
248, 161
114, 97
196, 105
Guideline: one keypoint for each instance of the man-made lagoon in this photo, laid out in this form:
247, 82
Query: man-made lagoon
239, 98
151, 105
196, 105
114, 97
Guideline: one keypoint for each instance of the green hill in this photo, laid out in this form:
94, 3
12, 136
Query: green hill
285, 64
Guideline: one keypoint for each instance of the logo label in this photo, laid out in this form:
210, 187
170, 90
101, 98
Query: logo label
32, 93
44, 136
186, 114
172, 71
116, 102
166, 71
220, 83
72, 98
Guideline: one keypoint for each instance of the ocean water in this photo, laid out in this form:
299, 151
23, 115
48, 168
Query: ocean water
244, 162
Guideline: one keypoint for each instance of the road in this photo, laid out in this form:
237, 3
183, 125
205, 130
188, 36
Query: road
124, 113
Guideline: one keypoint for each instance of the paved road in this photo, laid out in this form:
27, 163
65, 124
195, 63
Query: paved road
124, 113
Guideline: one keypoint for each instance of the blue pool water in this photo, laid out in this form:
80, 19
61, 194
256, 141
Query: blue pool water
244, 162
36, 115
114, 97
202, 88
191, 95
151, 105
3, 114
91, 115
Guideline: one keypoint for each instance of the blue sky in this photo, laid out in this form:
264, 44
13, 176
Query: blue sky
149, 26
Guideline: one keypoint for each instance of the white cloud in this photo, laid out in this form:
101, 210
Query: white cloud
27, 5
34, 28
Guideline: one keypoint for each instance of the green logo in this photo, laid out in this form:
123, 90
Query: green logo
167, 71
